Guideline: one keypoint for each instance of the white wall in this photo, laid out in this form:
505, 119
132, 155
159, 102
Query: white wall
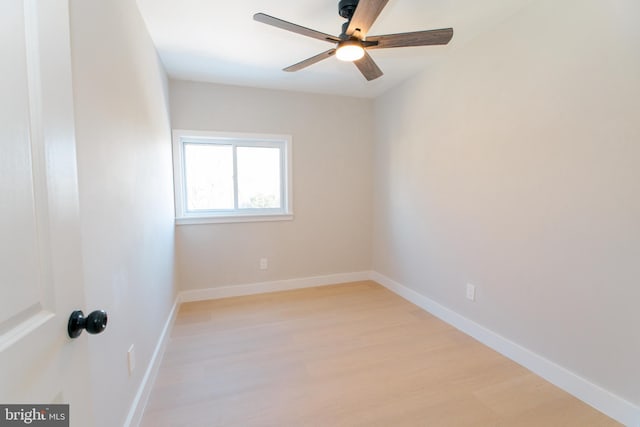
124, 164
514, 165
332, 158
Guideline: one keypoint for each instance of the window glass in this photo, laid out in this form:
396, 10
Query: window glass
208, 176
259, 178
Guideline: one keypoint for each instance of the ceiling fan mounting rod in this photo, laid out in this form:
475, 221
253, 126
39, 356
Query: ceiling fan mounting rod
346, 8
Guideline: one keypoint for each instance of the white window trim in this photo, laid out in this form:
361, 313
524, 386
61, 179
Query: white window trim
183, 217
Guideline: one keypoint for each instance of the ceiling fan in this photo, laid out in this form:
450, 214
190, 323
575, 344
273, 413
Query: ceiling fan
353, 42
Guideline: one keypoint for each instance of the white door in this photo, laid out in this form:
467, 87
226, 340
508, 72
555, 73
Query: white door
40, 259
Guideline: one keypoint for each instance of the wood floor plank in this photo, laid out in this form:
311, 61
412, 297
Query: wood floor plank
344, 355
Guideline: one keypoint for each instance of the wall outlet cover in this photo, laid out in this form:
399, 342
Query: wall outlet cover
131, 359
471, 292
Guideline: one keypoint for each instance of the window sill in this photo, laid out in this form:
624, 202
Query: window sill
194, 220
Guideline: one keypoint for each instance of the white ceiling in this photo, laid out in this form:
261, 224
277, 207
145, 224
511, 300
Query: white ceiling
218, 41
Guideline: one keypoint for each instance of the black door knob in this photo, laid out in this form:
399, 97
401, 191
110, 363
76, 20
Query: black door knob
94, 323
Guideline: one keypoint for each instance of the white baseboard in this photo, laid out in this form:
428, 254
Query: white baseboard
142, 396
274, 286
601, 399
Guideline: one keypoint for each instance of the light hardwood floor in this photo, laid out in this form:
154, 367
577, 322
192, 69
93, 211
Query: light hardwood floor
345, 355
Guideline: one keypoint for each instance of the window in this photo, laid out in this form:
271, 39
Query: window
228, 177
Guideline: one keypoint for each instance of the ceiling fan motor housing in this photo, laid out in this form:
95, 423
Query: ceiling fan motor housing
346, 8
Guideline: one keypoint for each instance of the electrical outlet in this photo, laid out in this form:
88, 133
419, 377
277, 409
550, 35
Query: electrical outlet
264, 263
131, 359
471, 292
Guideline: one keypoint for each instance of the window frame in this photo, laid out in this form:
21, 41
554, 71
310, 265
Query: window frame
184, 216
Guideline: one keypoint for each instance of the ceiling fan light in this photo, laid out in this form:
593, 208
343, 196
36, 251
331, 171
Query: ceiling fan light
349, 50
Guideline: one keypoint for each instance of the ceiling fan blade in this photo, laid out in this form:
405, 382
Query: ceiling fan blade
270, 20
365, 15
310, 61
368, 67
418, 38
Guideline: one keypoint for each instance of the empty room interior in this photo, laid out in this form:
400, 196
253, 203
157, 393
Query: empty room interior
210, 217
